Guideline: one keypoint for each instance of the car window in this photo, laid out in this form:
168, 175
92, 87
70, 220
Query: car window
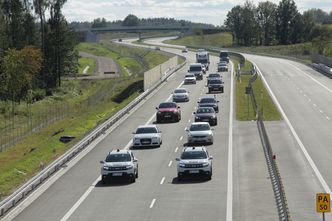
180, 91
195, 68
215, 81
199, 127
193, 155
167, 105
205, 110
190, 75
146, 130
207, 100
120, 157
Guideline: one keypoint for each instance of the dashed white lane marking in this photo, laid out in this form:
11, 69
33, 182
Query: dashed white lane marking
176, 149
185, 128
309, 100
152, 203
181, 137
315, 105
162, 180
170, 163
321, 111
189, 121
327, 118
81, 199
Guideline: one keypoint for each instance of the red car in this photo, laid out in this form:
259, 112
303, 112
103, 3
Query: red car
168, 111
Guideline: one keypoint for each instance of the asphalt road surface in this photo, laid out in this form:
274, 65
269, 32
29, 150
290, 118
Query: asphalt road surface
240, 188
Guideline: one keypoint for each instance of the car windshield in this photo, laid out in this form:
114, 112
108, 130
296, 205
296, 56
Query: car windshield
205, 110
120, 157
190, 75
214, 76
178, 91
223, 54
146, 130
215, 82
187, 155
199, 127
195, 68
167, 105
207, 100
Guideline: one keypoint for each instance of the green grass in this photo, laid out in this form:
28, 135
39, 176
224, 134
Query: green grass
244, 107
215, 40
84, 62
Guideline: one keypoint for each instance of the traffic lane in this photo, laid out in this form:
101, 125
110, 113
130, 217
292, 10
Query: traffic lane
87, 170
151, 171
253, 193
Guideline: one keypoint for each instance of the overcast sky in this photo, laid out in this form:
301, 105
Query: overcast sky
205, 11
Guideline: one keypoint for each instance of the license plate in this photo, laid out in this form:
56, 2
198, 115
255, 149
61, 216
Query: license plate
193, 171
167, 116
117, 174
145, 142
205, 120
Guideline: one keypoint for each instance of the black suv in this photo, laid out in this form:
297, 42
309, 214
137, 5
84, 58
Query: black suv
209, 102
206, 114
216, 85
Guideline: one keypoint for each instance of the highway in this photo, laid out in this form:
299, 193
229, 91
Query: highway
240, 188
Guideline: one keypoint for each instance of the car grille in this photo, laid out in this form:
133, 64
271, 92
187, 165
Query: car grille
145, 141
117, 168
199, 136
193, 165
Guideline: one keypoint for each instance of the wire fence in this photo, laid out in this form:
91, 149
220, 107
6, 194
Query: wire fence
27, 119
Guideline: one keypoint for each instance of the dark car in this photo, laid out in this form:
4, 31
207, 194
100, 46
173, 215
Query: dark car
206, 114
216, 85
168, 111
209, 102
213, 76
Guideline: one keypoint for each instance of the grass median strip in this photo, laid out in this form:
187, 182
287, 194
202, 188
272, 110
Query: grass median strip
84, 62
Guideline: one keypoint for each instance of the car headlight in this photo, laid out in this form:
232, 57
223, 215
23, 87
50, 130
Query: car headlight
129, 167
190, 135
182, 165
158, 112
154, 138
206, 164
105, 168
197, 117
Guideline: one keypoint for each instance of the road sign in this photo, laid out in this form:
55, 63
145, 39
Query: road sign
323, 203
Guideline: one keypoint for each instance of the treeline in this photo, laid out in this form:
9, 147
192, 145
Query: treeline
271, 24
36, 48
132, 20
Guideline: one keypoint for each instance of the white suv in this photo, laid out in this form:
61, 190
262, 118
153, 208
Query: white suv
193, 161
119, 163
147, 136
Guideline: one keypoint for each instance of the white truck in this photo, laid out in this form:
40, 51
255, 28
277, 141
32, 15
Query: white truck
203, 57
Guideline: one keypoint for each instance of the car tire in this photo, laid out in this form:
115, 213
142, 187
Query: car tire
180, 178
209, 91
158, 120
133, 179
136, 173
216, 122
103, 180
209, 177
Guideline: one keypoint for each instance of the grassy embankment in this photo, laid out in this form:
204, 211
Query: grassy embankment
84, 62
88, 103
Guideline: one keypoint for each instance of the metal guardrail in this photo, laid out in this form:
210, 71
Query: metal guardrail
12, 200
277, 186
322, 68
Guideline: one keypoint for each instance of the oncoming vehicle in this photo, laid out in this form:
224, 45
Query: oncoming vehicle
197, 70
168, 111
194, 161
206, 114
119, 163
180, 94
189, 79
147, 136
216, 85
200, 132
184, 50
209, 102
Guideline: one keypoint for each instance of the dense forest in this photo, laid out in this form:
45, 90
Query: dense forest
34, 51
132, 20
272, 24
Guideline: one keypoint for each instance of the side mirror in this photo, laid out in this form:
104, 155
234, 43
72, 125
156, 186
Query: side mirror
102, 162
133, 132
197, 101
177, 159
178, 107
217, 101
135, 160
157, 108
211, 158
194, 113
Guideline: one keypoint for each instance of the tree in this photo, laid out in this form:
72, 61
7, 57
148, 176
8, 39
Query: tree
233, 22
249, 25
130, 20
286, 13
266, 17
317, 15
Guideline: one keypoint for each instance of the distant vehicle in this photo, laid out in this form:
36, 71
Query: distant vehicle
222, 67
190, 79
157, 48
147, 136
203, 57
184, 50
213, 76
203, 69
194, 161
224, 56
197, 70
120, 40
200, 132
209, 102
180, 94
119, 163
168, 111
216, 84
201, 50
206, 114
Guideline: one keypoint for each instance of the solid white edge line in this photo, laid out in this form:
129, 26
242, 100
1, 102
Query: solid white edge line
81, 199
152, 203
88, 191
229, 209
297, 138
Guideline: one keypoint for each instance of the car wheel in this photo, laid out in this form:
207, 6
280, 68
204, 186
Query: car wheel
158, 120
208, 177
215, 122
137, 173
180, 177
133, 179
103, 180
209, 91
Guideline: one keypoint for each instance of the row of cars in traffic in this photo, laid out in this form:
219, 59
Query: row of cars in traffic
193, 159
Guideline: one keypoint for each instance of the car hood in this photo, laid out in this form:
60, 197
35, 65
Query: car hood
190, 78
180, 94
194, 161
168, 109
200, 133
146, 135
205, 115
117, 164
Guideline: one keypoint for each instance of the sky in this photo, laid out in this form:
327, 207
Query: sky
203, 11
